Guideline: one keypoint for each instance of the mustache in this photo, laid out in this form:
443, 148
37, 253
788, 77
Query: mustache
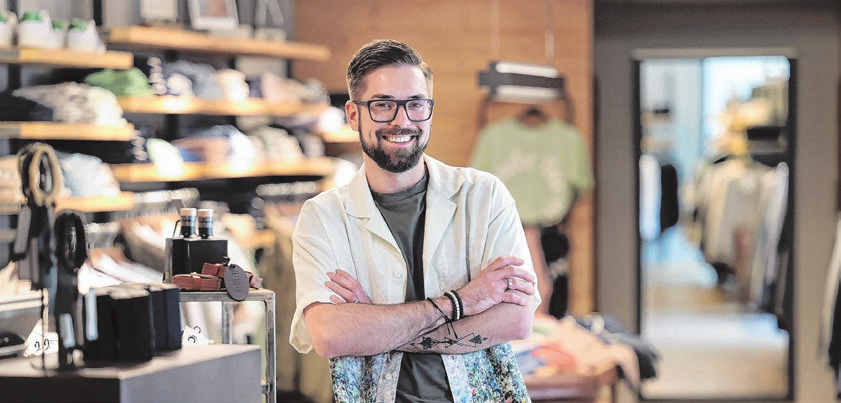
400, 131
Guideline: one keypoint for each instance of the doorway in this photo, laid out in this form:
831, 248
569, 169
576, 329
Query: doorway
715, 140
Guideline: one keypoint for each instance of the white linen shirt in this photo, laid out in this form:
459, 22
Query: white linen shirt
471, 219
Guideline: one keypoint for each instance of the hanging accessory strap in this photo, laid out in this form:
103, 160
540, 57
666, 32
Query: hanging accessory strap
71, 253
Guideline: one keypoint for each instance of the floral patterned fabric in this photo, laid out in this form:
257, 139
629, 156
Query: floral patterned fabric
489, 375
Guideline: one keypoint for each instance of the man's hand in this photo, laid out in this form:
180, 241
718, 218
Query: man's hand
347, 289
497, 283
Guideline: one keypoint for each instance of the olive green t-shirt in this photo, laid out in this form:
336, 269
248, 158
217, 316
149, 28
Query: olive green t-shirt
422, 376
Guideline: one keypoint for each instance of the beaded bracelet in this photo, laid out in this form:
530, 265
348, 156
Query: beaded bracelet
460, 303
456, 307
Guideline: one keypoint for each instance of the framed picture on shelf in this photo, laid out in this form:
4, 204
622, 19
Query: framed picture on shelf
213, 14
159, 11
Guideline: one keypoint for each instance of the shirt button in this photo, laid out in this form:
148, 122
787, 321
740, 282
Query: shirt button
389, 377
398, 274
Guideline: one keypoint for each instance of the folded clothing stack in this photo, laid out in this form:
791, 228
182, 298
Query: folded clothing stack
76, 103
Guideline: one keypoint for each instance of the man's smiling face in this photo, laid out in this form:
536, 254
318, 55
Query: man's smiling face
398, 145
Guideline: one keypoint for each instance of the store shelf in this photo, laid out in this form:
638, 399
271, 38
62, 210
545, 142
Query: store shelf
65, 131
66, 58
8, 207
124, 201
137, 173
189, 105
137, 37
341, 136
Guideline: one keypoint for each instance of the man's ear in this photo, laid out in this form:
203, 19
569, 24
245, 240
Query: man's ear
352, 113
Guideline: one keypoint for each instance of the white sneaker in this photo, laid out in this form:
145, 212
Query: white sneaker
58, 35
8, 25
35, 30
82, 36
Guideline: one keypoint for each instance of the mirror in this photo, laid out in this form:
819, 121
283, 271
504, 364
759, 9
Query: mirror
715, 156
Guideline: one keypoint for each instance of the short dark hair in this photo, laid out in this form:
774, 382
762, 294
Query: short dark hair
379, 53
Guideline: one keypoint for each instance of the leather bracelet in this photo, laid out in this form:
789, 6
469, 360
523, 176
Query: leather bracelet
446, 319
192, 281
197, 282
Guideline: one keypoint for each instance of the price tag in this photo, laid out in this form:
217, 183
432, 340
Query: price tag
192, 335
37, 343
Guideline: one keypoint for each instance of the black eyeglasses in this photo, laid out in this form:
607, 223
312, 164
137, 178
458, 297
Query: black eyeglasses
385, 110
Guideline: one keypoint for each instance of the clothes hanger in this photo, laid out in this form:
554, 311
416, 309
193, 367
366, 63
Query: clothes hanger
533, 116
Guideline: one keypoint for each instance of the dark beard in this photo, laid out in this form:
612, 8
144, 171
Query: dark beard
403, 160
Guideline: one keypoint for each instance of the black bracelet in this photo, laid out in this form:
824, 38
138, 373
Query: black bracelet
460, 303
454, 301
446, 319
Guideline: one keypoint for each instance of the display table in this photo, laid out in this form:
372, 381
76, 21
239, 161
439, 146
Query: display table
209, 373
269, 383
569, 388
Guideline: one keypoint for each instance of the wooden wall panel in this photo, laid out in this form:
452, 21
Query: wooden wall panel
458, 39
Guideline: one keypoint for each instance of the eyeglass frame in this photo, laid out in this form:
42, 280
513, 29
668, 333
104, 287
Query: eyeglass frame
399, 102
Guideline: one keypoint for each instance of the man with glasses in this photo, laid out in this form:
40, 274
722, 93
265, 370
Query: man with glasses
413, 278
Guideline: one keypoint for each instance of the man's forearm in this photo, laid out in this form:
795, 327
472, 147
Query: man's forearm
363, 329
501, 323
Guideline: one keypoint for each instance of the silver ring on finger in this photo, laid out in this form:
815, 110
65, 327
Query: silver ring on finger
510, 284
355, 300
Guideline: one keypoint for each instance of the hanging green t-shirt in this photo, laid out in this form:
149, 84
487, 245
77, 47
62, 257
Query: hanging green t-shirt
543, 166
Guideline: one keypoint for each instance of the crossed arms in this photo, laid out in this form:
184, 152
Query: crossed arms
493, 314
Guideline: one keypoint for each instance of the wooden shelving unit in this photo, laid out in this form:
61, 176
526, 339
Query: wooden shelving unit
66, 58
193, 171
191, 105
65, 131
343, 135
137, 37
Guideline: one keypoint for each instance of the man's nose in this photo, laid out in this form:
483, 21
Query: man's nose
402, 117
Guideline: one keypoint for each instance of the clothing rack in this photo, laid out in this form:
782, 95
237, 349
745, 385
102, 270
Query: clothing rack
294, 192
102, 235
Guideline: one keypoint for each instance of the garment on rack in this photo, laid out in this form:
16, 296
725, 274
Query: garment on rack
545, 166
764, 263
649, 197
735, 213
669, 208
830, 336
733, 194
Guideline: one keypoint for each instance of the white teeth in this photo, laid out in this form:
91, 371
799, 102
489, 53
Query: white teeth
398, 139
